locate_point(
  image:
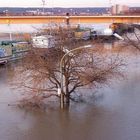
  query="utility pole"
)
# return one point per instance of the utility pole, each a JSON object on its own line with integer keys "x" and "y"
{"x": 110, "y": 5}
{"x": 43, "y": 3}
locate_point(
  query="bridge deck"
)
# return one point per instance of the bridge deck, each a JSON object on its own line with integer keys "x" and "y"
{"x": 73, "y": 19}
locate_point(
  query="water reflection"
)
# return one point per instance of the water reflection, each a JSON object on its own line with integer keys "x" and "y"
{"x": 115, "y": 117}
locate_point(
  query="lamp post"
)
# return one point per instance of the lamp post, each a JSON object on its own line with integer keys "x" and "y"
{"x": 43, "y": 2}
{"x": 61, "y": 72}
{"x": 9, "y": 26}
{"x": 67, "y": 18}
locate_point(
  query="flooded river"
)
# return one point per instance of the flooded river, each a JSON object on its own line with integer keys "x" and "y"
{"x": 32, "y": 28}
{"x": 114, "y": 116}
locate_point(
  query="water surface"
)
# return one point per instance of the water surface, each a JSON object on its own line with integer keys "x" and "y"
{"x": 114, "y": 116}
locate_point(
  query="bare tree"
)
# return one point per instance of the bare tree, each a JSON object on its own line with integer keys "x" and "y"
{"x": 88, "y": 68}
{"x": 133, "y": 39}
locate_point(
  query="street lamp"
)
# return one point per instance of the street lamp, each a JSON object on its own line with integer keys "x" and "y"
{"x": 61, "y": 91}
{"x": 9, "y": 26}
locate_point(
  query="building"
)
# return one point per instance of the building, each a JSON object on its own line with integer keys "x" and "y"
{"x": 119, "y": 9}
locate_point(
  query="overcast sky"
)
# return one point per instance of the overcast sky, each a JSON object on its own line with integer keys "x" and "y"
{"x": 66, "y": 3}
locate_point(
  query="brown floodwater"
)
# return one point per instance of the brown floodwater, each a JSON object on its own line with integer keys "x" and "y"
{"x": 115, "y": 115}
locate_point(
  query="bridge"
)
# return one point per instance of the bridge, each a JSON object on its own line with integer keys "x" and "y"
{"x": 72, "y": 19}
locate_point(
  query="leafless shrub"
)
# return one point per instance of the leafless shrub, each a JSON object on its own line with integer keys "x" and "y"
{"x": 133, "y": 39}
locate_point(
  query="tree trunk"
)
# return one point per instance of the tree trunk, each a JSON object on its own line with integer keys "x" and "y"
{"x": 67, "y": 95}
{"x": 62, "y": 101}
{"x": 67, "y": 99}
